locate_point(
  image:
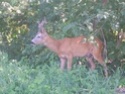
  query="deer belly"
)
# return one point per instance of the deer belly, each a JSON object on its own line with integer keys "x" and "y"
{"x": 80, "y": 53}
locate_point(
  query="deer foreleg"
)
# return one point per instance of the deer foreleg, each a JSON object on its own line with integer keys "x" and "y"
{"x": 63, "y": 61}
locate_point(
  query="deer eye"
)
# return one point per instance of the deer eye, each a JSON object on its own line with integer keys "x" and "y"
{"x": 38, "y": 36}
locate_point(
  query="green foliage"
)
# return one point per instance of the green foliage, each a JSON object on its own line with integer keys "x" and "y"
{"x": 20, "y": 78}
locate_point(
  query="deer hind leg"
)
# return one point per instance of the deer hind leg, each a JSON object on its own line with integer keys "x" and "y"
{"x": 89, "y": 59}
{"x": 69, "y": 62}
{"x": 98, "y": 56}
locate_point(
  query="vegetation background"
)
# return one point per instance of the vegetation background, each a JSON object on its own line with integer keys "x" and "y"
{"x": 28, "y": 69}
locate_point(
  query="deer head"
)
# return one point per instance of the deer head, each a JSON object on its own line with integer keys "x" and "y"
{"x": 41, "y": 34}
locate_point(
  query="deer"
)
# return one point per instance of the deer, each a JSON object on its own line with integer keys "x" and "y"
{"x": 68, "y": 48}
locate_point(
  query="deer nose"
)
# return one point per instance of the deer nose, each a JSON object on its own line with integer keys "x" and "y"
{"x": 32, "y": 42}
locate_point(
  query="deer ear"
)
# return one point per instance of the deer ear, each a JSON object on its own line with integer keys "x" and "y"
{"x": 38, "y": 23}
{"x": 43, "y": 30}
{"x": 45, "y": 21}
{"x": 42, "y": 23}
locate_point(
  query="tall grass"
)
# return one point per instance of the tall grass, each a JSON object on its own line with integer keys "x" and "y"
{"x": 19, "y": 78}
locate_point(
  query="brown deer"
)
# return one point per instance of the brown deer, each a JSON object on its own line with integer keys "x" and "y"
{"x": 68, "y": 48}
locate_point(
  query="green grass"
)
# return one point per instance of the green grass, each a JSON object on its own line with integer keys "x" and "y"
{"x": 19, "y": 78}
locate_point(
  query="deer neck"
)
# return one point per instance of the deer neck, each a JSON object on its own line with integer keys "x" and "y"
{"x": 52, "y": 43}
